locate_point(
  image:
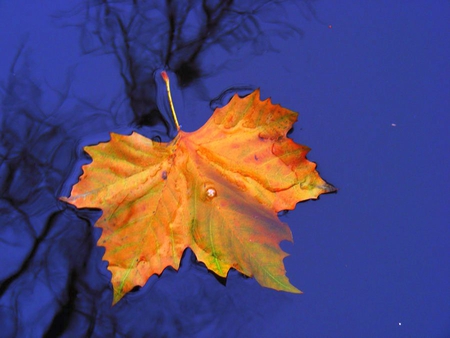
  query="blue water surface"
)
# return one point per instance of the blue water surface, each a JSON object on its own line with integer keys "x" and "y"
{"x": 371, "y": 81}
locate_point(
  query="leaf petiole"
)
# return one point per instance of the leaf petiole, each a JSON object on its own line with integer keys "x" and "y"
{"x": 166, "y": 80}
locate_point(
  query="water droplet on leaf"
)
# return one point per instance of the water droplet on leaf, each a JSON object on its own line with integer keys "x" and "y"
{"x": 211, "y": 193}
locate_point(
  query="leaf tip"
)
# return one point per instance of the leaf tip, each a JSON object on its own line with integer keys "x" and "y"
{"x": 65, "y": 199}
{"x": 116, "y": 299}
{"x": 328, "y": 188}
{"x": 288, "y": 287}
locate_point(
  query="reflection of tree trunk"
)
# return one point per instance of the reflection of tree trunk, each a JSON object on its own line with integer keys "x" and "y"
{"x": 178, "y": 35}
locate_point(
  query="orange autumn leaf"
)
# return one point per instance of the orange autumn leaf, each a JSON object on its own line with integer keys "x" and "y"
{"x": 216, "y": 190}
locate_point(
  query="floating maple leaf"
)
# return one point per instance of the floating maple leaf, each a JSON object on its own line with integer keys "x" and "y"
{"x": 216, "y": 190}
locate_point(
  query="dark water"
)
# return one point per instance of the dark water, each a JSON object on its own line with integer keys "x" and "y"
{"x": 371, "y": 83}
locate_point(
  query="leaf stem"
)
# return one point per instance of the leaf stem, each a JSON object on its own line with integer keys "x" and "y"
{"x": 169, "y": 94}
